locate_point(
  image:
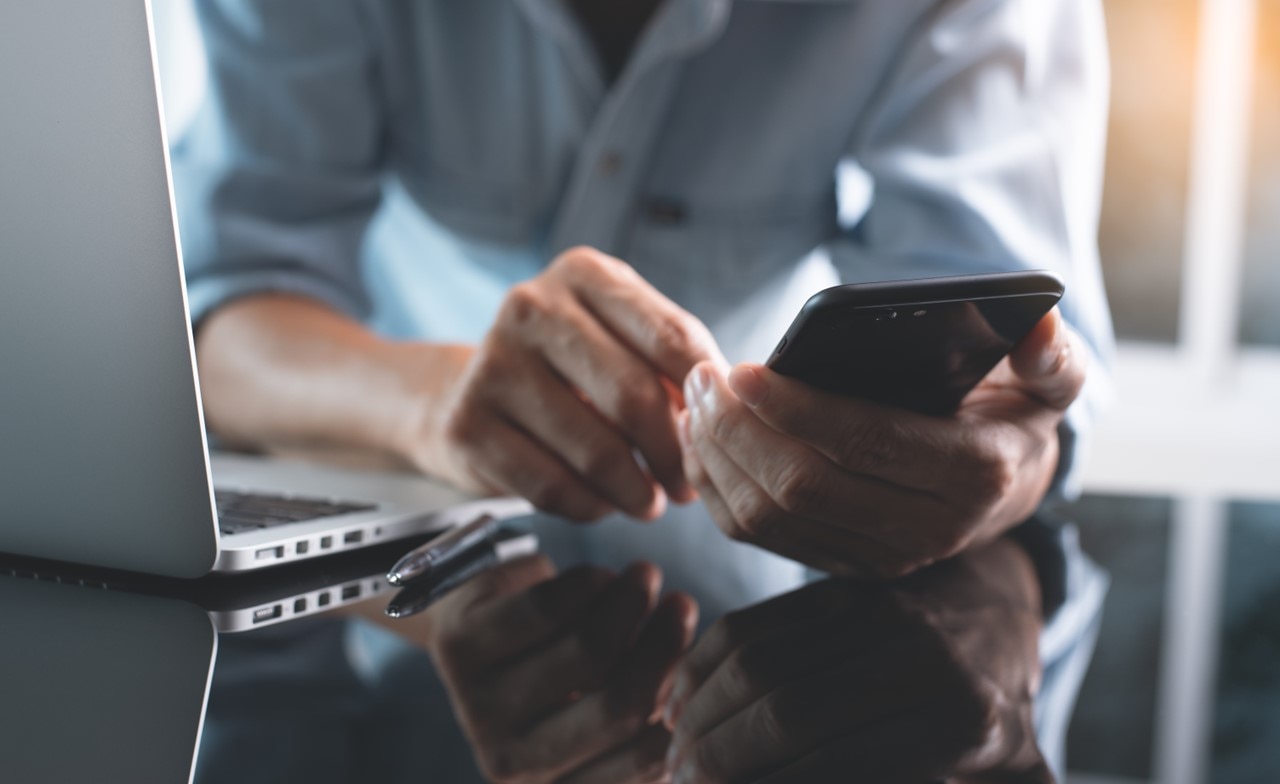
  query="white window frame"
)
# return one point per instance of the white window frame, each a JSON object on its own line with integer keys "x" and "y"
{"x": 1197, "y": 421}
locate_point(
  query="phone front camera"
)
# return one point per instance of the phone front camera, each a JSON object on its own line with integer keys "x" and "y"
{"x": 886, "y": 315}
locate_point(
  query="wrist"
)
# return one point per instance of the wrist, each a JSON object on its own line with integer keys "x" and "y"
{"x": 428, "y": 376}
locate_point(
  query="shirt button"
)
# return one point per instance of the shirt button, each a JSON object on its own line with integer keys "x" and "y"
{"x": 610, "y": 163}
{"x": 665, "y": 212}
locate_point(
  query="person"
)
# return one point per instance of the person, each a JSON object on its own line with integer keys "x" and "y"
{"x": 514, "y": 245}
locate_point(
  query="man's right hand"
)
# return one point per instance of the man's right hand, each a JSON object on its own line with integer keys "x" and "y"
{"x": 571, "y": 400}
{"x": 559, "y": 678}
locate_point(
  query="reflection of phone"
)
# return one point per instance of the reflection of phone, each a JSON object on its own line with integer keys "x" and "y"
{"x": 921, "y": 344}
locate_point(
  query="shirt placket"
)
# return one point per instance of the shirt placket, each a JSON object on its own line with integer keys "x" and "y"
{"x": 608, "y": 172}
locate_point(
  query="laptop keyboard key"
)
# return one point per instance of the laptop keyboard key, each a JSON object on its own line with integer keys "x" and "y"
{"x": 239, "y": 512}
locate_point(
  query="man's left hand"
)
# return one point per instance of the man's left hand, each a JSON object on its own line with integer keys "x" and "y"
{"x": 860, "y": 489}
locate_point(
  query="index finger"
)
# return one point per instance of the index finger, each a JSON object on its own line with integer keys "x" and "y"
{"x": 905, "y": 448}
{"x": 665, "y": 334}
{"x": 489, "y": 625}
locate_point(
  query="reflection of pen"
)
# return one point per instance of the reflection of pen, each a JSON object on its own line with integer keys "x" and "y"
{"x": 460, "y": 567}
{"x": 438, "y": 552}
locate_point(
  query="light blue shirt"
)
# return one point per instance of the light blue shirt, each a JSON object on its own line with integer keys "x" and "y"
{"x": 407, "y": 162}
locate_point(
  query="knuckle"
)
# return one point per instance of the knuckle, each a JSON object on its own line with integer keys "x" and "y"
{"x": 874, "y": 442}
{"x": 799, "y": 488}
{"x": 599, "y": 461}
{"x": 722, "y": 421}
{"x": 755, "y": 513}
{"x": 992, "y": 469}
{"x": 638, "y": 399}
{"x": 774, "y": 720}
{"x": 993, "y": 481}
{"x": 523, "y": 306}
{"x": 550, "y": 495}
{"x": 679, "y": 336}
{"x": 580, "y": 259}
{"x": 746, "y": 670}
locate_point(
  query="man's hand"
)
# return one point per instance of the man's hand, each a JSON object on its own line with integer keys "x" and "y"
{"x": 560, "y": 678}
{"x": 861, "y": 489}
{"x": 927, "y": 678}
{"x": 580, "y": 373}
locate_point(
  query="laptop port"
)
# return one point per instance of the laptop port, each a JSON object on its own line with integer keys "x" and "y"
{"x": 267, "y": 613}
{"x": 326, "y": 542}
{"x": 353, "y": 537}
{"x": 269, "y": 552}
{"x": 322, "y": 600}
{"x": 301, "y": 548}
{"x": 300, "y": 605}
{"x": 350, "y": 592}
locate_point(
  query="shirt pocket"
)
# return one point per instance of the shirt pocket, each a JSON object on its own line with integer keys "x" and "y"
{"x": 709, "y": 256}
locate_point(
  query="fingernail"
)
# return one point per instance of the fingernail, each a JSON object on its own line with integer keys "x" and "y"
{"x": 701, "y": 378}
{"x": 693, "y": 386}
{"x": 1055, "y": 358}
{"x": 748, "y": 385}
{"x": 1051, "y": 358}
{"x": 682, "y": 431}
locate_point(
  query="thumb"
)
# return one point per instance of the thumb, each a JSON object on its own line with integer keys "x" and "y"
{"x": 1050, "y": 362}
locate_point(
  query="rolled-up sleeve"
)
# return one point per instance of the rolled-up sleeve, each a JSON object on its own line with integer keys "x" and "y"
{"x": 984, "y": 152}
{"x": 278, "y": 176}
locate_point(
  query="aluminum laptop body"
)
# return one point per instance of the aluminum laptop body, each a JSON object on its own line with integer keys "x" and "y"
{"x": 103, "y": 458}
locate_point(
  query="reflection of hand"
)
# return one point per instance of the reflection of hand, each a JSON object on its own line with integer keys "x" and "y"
{"x": 862, "y": 489}
{"x": 580, "y": 371}
{"x": 558, "y": 678}
{"x": 927, "y": 678}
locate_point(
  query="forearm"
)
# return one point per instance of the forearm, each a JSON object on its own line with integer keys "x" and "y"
{"x": 284, "y": 373}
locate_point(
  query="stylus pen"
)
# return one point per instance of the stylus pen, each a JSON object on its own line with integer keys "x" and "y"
{"x": 438, "y": 552}
{"x": 489, "y": 552}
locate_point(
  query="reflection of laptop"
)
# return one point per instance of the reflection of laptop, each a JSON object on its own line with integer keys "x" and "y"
{"x": 241, "y": 602}
{"x": 100, "y": 685}
{"x": 102, "y": 448}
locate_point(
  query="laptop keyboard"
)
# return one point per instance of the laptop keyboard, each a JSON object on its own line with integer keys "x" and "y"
{"x": 240, "y": 512}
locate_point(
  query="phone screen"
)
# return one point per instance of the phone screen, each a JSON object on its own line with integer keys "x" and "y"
{"x": 922, "y": 356}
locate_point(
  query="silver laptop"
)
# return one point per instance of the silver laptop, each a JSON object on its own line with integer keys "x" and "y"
{"x": 103, "y": 458}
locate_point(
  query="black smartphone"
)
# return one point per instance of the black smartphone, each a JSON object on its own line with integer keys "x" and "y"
{"x": 921, "y": 344}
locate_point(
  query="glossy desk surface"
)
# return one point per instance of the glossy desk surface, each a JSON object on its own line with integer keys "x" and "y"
{"x": 105, "y": 676}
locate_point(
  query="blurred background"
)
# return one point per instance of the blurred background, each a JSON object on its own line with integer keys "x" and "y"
{"x": 1183, "y": 488}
